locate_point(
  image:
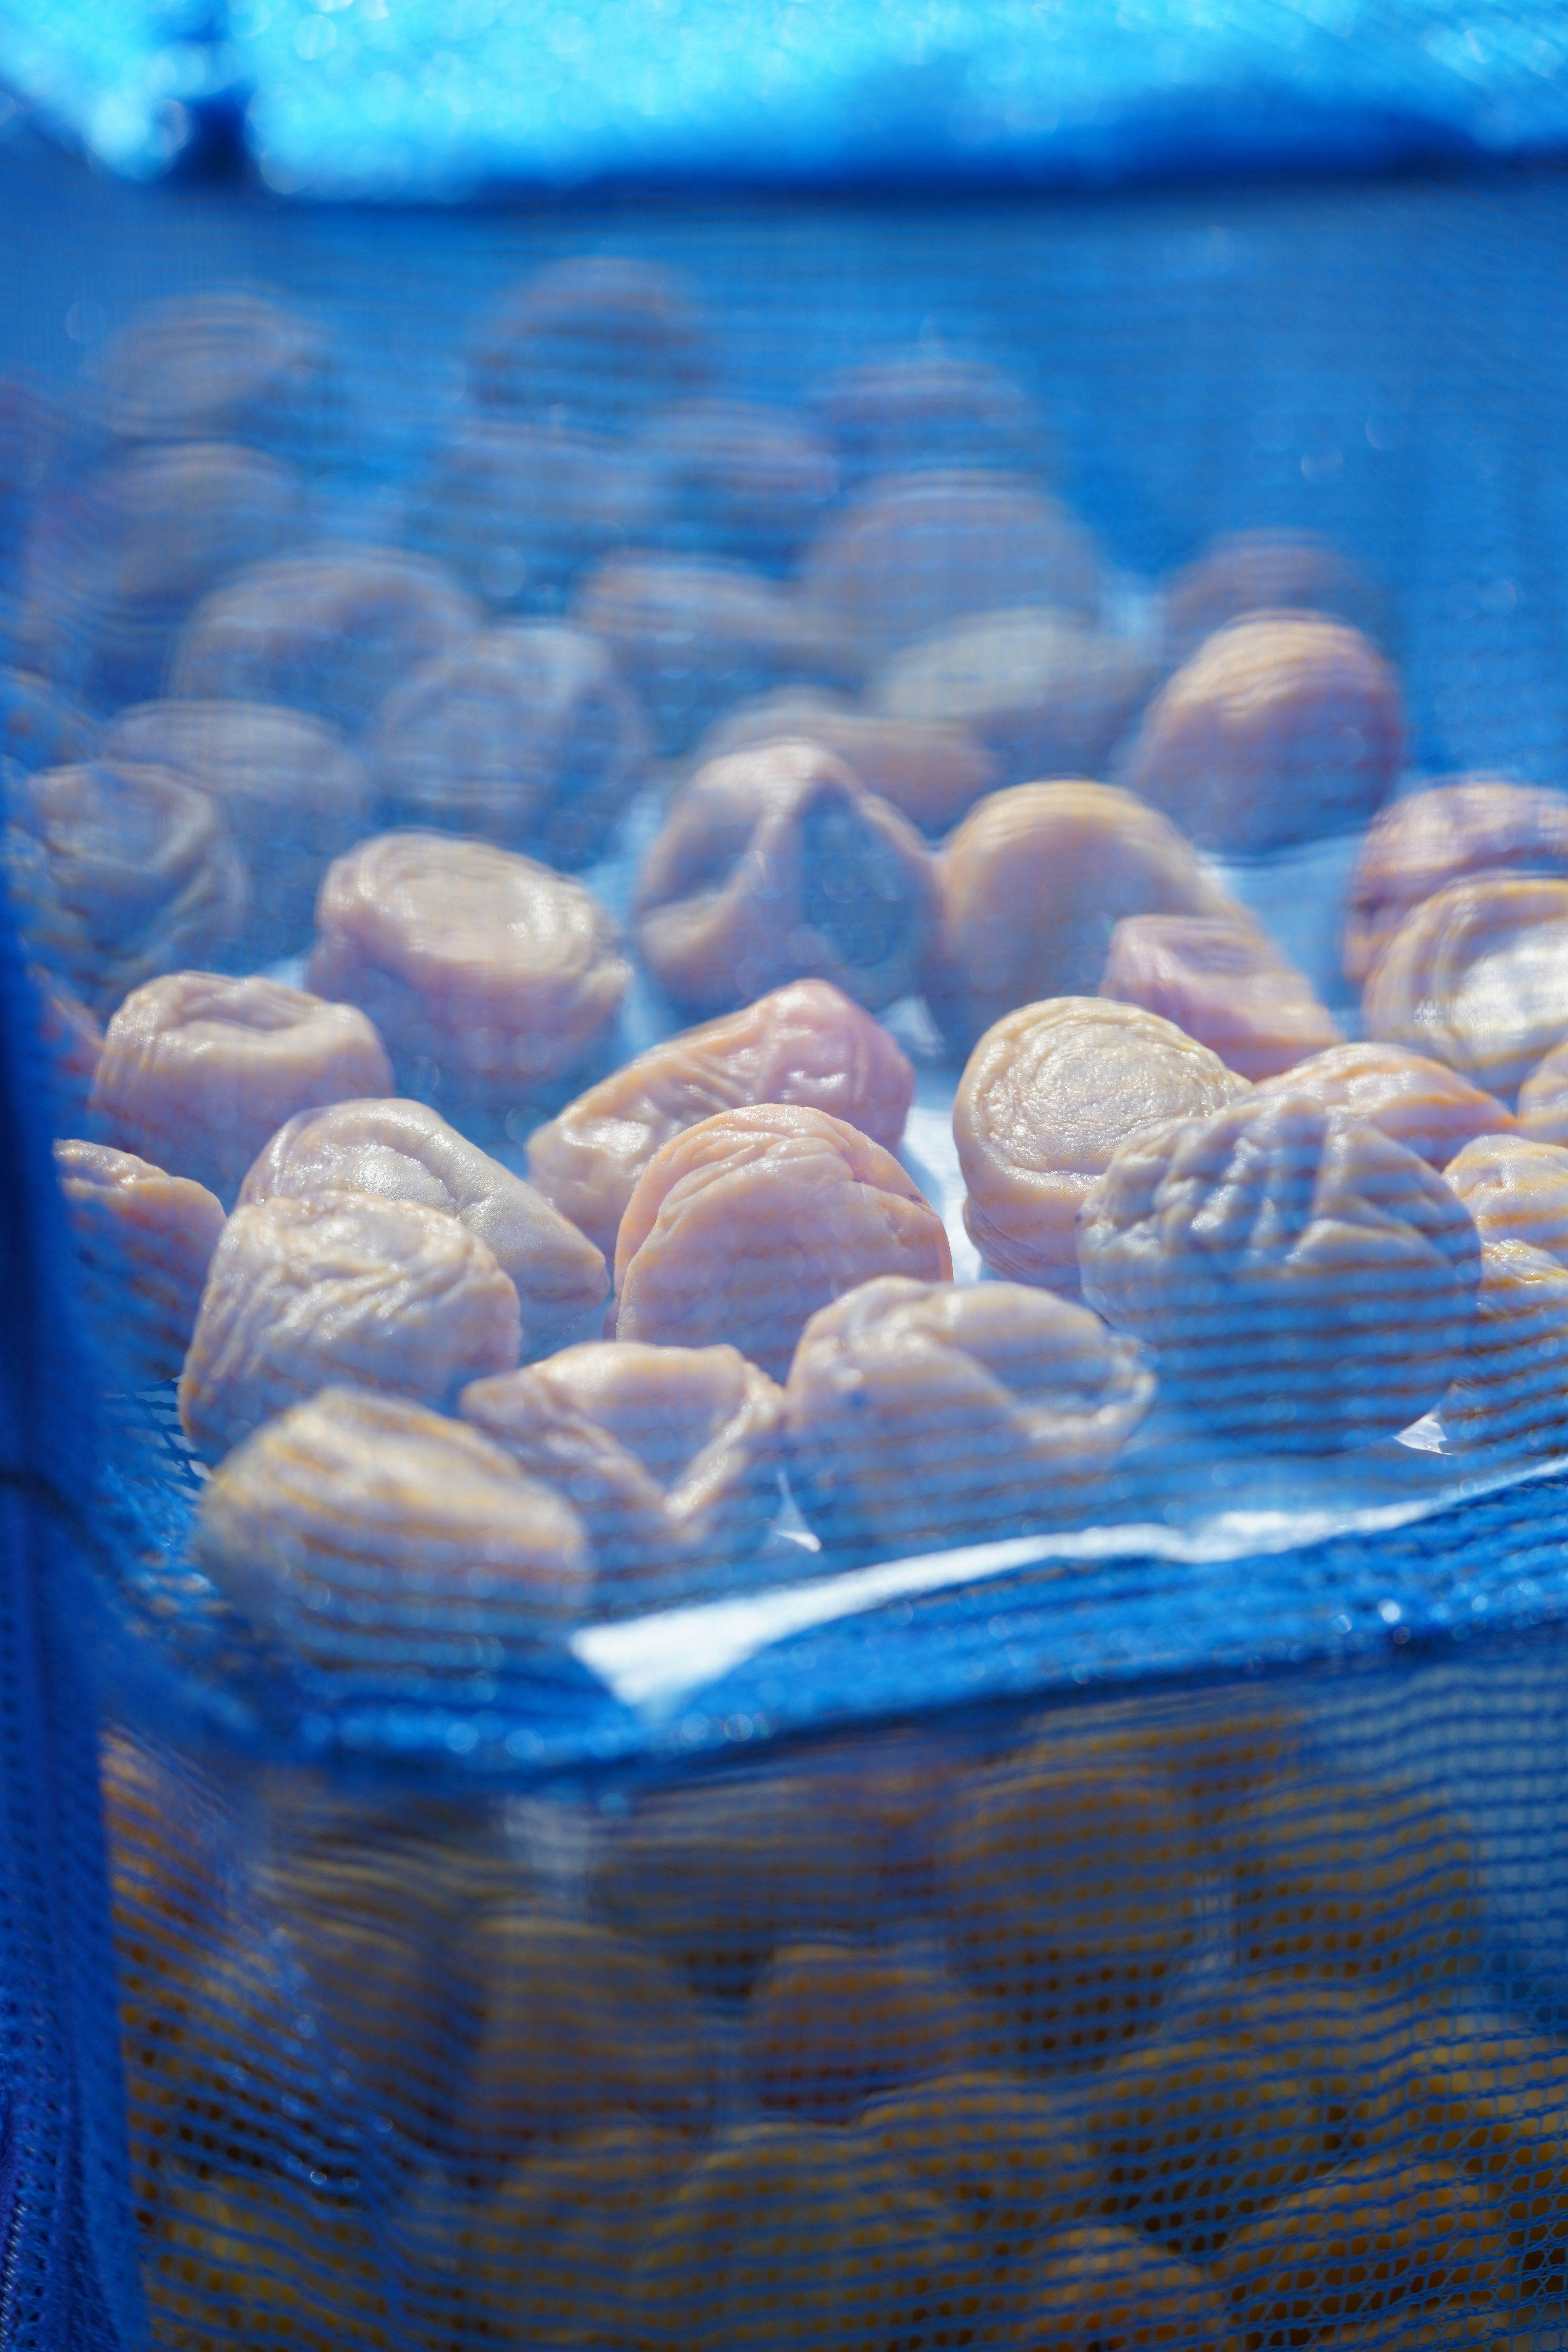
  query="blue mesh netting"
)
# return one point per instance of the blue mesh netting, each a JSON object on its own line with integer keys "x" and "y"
{"x": 1149, "y": 1930}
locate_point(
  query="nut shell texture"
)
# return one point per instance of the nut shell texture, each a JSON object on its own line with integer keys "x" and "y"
{"x": 931, "y": 773}
{"x": 804, "y": 1043}
{"x": 1031, "y": 887}
{"x": 373, "y": 1536}
{"x": 777, "y": 864}
{"x": 345, "y": 1287}
{"x": 487, "y": 974}
{"x": 1221, "y": 981}
{"x": 1045, "y": 1099}
{"x": 1478, "y": 977}
{"x": 1431, "y": 839}
{"x": 197, "y": 1071}
{"x": 922, "y": 1413}
{"x": 741, "y": 1227}
{"x": 1515, "y": 1190}
{"x": 143, "y": 1241}
{"x": 1281, "y": 729}
{"x": 1509, "y": 1387}
{"x": 1422, "y": 1104}
{"x": 406, "y": 1151}
{"x": 1307, "y": 1283}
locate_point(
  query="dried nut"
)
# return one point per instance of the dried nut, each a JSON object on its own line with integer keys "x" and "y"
{"x": 1250, "y": 572}
{"x": 1421, "y": 1104}
{"x": 236, "y": 2261}
{"x": 1004, "y": 2154}
{"x": 1101, "y": 2290}
{"x": 120, "y": 871}
{"x": 922, "y": 409}
{"x": 198, "y": 1071}
{"x": 1366, "y": 1883}
{"x": 915, "y": 554}
{"x": 1349, "y": 2046}
{"x": 741, "y": 1227}
{"x": 694, "y": 637}
{"x": 1478, "y": 977}
{"x": 489, "y": 976}
{"x": 117, "y": 559}
{"x": 1194, "y": 2137}
{"x": 406, "y": 1151}
{"x": 39, "y": 726}
{"x": 671, "y": 1456}
{"x": 293, "y": 795}
{"x": 343, "y": 1288}
{"x": 774, "y": 863}
{"x": 1071, "y": 1899}
{"x": 229, "y": 367}
{"x": 1045, "y": 1099}
{"x": 932, "y": 773}
{"x": 72, "y": 1039}
{"x": 788, "y": 2234}
{"x": 1489, "y": 2097}
{"x": 831, "y": 2025}
{"x": 520, "y": 509}
{"x": 571, "y": 2023}
{"x": 1543, "y": 1099}
{"x": 142, "y": 1241}
{"x": 1307, "y": 1283}
{"x": 331, "y": 633}
{"x": 922, "y": 1414}
{"x": 1222, "y": 981}
{"x": 1281, "y": 729}
{"x": 1510, "y": 1386}
{"x": 1031, "y": 889}
{"x": 804, "y": 1043}
{"x": 598, "y": 336}
{"x": 367, "y": 1534}
{"x": 522, "y": 735}
{"x": 742, "y": 482}
{"x": 1377, "y": 2240}
{"x": 1047, "y": 694}
{"x": 1436, "y": 837}
{"x": 1516, "y": 1190}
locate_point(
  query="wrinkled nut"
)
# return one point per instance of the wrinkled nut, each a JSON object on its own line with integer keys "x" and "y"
{"x": 1364, "y": 1884}
{"x": 718, "y": 1876}
{"x": 319, "y": 2286}
{"x": 1071, "y": 1899}
{"x": 1436, "y": 837}
{"x": 1003, "y": 2155}
{"x": 1279, "y": 731}
{"x": 932, "y": 773}
{"x": 743, "y": 482}
{"x": 804, "y": 1043}
{"x": 1422, "y": 1104}
{"x": 918, "y": 409}
{"x": 1347, "y": 2047}
{"x": 197, "y": 1071}
{"x": 670, "y": 1456}
{"x": 693, "y": 637}
{"x": 1510, "y": 1386}
{"x": 370, "y": 1536}
{"x": 1031, "y": 890}
{"x": 922, "y": 1414}
{"x": 1046, "y": 695}
{"x": 73, "y": 1038}
{"x": 1376, "y": 2240}
{"x": 332, "y": 634}
{"x": 1478, "y": 977}
{"x": 1543, "y": 1099}
{"x": 520, "y": 509}
{"x": 569, "y": 2022}
{"x": 744, "y": 1225}
{"x": 1103, "y": 2290}
{"x": 119, "y": 871}
{"x": 916, "y": 553}
{"x": 293, "y": 796}
{"x": 784, "y": 2233}
{"x": 1222, "y": 981}
{"x": 1193, "y": 2137}
{"x": 1045, "y": 1099}
{"x": 1250, "y": 572}
{"x": 229, "y": 367}
{"x": 1307, "y": 1283}
{"x": 1488, "y": 2098}
{"x": 523, "y": 736}
{"x": 142, "y": 1241}
{"x": 406, "y": 1151}
{"x": 774, "y": 863}
{"x": 489, "y": 976}
{"x": 117, "y": 559}
{"x": 599, "y": 336}
{"x": 345, "y": 1287}
{"x": 831, "y": 2025}
{"x": 1516, "y": 1190}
